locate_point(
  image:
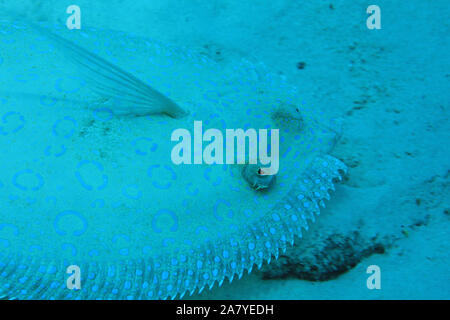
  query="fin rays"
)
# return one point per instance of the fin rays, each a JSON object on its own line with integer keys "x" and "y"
{"x": 110, "y": 80}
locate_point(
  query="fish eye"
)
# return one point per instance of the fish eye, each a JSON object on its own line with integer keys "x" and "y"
{"x": 257, "y": 177}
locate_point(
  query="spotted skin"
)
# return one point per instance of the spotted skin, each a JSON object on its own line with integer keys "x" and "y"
{"x": 88, "y": 182}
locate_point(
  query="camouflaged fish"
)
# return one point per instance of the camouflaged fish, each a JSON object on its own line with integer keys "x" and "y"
{"x": 87, "y": 178}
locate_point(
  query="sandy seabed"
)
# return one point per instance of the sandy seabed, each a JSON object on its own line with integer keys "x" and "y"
{"x": 390, "y": 87}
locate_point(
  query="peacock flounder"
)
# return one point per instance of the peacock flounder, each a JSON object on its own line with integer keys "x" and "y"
{"x": 87, "y": 179}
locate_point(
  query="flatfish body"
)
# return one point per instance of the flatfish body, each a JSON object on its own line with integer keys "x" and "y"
{"x": 88, "y": 180}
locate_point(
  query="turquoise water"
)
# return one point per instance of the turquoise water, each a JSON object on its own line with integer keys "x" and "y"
{"x": 90, "y": 120}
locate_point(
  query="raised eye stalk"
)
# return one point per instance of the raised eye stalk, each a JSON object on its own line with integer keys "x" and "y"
{"x": 258, "y": 178}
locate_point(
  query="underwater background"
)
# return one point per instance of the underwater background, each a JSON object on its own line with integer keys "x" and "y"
{"x": 389, "y": 88}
